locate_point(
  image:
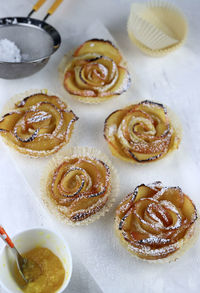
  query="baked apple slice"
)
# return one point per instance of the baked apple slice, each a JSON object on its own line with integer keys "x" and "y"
{"x": 101, "y": 47}
{"x": 38, "y": 98}
{"x": 76, "y": 84}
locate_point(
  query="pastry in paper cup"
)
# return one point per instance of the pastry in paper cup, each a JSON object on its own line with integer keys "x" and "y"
{"x": 157, "y": 28}
{"x": 157, "y": 223}
{"x": 94, "y": 72}
{"x": 37, "y": 123}
{"x": 79, "y": 185}
{"x": 142, "y": 133}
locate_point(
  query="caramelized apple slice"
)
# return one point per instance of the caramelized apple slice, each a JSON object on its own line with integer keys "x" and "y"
{"x": 81, "y": 60}
{"x": 150, "y": 156}
{"x": 111, "y": 125}
{"x": 38, "y": 98}
{"x": 189, "y": 209}
{"x": 83, "y": 207}
{"x": 121, "y": 85}
{"x": 100, "y": 74}
{"x": 45, "y": 144}
{"x": 25, "y": 136}
{"x": 10, "y": 137}
{"x": 71, "y": 86}
{"x": 145, "y": 191}
{"x": 73, "y": 83}
{"x": 159, "y": 114}
{"x": 99, "y": 46}
{"x": 174, "y": 195}
{"x": 9, "y": 120}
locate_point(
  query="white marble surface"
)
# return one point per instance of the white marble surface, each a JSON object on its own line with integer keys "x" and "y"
{"x": 173, "y": 80}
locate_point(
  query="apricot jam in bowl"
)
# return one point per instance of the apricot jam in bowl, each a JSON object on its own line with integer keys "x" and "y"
{"x": 46, "y": 248}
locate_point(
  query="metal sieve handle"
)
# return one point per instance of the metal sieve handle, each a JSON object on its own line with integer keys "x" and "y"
{"x": 36, "y": 6}
{"x": 53, "y": 8}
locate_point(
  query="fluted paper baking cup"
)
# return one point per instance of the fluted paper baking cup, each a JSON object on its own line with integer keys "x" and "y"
{"x": 157, "y": 27}
{"x": 77, "y": 152}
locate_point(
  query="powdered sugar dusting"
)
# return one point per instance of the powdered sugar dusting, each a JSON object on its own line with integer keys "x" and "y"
{"x": 9, "y": 52}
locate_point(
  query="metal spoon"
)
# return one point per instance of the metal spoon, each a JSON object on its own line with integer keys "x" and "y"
{"x": 28, "y": 269}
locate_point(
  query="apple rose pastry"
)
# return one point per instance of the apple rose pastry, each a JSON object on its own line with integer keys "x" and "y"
{"x": 95, "y": 72}
{"x": 38, "y": 125}
{"x": 80, "y": 186}
{"x": 141, "y": 133}
{"x": 156, "y": 222}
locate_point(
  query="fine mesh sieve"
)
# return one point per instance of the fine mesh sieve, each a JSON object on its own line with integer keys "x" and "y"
{"x": 36, "y": 40}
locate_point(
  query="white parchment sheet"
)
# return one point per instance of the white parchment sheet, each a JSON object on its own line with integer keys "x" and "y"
{"x": 114, "y": 269}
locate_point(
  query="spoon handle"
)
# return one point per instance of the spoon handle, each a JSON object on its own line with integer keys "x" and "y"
{"x": 4, "y": 236}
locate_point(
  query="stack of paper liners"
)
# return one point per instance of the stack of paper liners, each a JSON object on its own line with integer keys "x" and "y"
{"x": 157, "y": 28}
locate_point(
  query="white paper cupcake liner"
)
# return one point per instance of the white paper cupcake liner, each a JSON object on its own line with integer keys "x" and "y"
{"x": 157, "y": 27}
{"x": 53, "y": 207}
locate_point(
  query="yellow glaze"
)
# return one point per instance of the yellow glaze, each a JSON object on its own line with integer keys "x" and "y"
{"x": 52, "y": 272}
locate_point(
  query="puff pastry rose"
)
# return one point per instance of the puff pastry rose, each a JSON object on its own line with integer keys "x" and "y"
{"x": 141, "y": 132}
{"x": 38, "y": 125}
{"x": 95, "y": 73}
{"x": 156, "y": 222}
{"x": 79, "y": 187}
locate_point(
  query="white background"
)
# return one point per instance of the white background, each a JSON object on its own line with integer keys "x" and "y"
{"x": 172, "y": 80}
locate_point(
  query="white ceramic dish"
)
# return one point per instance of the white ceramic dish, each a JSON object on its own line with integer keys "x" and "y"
{"x": 27, "y": 240}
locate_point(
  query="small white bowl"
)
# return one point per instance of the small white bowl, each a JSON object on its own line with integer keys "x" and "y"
{"x": 26, "y": 241}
